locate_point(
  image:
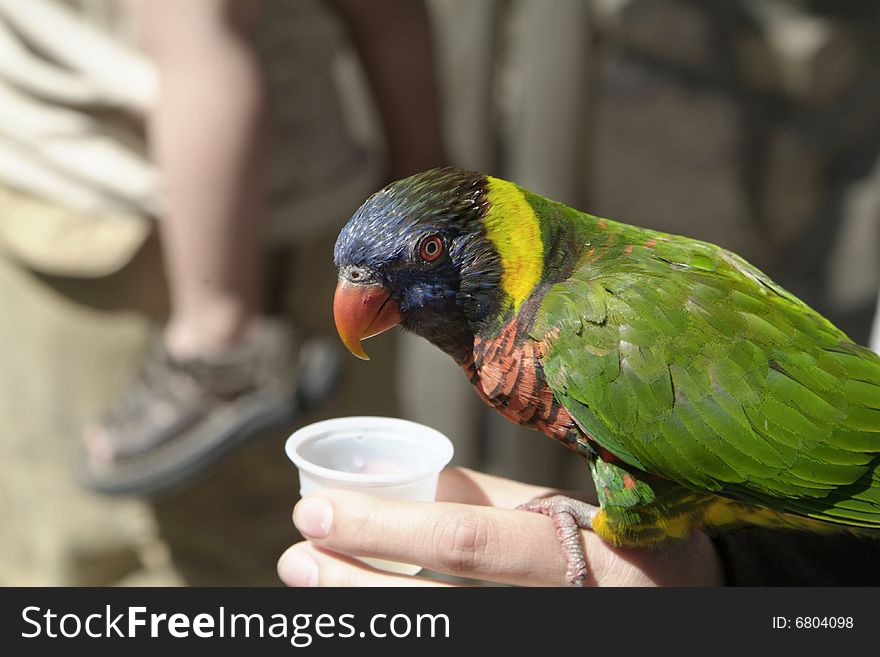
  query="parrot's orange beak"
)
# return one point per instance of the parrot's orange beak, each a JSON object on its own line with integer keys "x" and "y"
{"x": 362, "y": 311}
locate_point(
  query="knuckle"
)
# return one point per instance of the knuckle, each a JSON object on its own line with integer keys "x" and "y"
{"x": 463, "y": 541}
{"x": 362, "y": 534}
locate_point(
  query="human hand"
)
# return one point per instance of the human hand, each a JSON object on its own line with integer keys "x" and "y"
{"x": 472, "y": 531}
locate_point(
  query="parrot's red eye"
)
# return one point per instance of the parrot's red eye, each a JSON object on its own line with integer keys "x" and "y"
{"x": 431, "y": 248}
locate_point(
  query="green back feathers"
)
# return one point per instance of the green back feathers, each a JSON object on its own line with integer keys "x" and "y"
{"x": 687, "y": 362}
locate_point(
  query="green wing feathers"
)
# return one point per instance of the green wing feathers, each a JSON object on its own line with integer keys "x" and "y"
{"x": 687, "y": 362}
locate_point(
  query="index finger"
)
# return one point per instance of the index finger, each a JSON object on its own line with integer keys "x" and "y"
{"x": 479, "y": 542}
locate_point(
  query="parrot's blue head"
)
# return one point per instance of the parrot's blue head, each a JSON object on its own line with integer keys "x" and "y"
{"x": 416, "y": 254}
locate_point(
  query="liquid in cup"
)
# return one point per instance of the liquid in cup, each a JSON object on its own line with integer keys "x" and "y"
{"x": 381, "y": 456}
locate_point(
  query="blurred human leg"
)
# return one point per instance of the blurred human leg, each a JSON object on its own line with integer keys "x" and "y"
{"x": 207, "y": 135}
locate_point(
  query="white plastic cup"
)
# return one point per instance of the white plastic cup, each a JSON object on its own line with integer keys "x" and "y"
{"x": 382, "y": 456}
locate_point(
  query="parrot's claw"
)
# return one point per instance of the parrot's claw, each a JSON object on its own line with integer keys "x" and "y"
{"x": 569, "y": 517}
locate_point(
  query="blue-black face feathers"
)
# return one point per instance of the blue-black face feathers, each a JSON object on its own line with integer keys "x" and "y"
{"x": 422, "y": 238}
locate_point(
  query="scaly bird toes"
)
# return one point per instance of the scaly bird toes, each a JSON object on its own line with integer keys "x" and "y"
{"x": 569, "y": 516}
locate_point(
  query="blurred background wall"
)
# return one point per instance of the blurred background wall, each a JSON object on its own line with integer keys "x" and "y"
{"x": 754, "y": 124}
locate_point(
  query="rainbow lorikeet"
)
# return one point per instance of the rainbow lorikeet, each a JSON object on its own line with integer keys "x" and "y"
{"x": 702, "y": 394}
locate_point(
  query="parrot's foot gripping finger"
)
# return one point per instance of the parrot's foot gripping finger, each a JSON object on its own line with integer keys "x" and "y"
{"x": 569, "y": 517}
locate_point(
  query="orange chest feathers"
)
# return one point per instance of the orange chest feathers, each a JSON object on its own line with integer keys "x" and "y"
{"x": 507, "y": 374}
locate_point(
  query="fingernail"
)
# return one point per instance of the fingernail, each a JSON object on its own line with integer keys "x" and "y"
{"x": 296, "y": 568}
{"x": 313, "y": 516}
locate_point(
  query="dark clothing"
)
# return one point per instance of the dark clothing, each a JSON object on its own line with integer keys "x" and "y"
{"x": 764, "y": 557}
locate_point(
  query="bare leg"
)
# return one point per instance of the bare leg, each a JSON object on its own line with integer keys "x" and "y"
{"x": 207, "y": 136}
{"x": 393, "y": 38}
{"x": 569, "y": 517}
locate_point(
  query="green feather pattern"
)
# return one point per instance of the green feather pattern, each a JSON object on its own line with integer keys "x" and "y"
{"x": 687, "y": 362}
